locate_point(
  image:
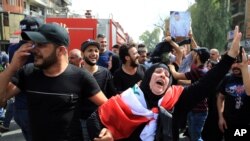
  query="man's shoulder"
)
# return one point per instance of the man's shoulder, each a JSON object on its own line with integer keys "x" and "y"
{"x": 106, "y": 53}
{"x": 75, "y": 69}
{"x": 103, "y": 73}
{"x": 231, "y": 77}
{"x": 102, "y": 69}
{"x": 14, "y": 47}
{"x": 119, "y": 72}
{"x": 29, "y": 69}
{"x": 228, "y": 78}
{"x": 79, "y": 73}
{"x": 142, "y": 68}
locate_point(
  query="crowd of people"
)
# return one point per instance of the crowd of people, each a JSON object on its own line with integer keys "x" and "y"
{"x": 127, "y": 93}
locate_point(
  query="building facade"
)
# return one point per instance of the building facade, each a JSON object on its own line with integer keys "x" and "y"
{"x": 13, "y": 11}
{"x": 240, "y": 15}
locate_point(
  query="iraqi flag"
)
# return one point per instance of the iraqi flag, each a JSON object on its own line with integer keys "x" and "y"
{"x": 123, "y": 113}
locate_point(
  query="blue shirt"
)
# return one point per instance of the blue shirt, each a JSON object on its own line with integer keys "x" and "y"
{"x": 104, "y": 59}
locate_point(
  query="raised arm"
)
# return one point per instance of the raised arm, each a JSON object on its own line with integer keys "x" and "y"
{"x": 244, "y": 72}
{"x": 234, "y": 50}
{"x": 207, "y": 85}
{"x": 193, "y": 42}
{"x": 7, "y": 89}
{"x": 177, "y": 49}
{"x": 177, "y": 75}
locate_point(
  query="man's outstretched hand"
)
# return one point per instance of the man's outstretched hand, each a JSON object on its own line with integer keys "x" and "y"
{"x": 234, "y": 49}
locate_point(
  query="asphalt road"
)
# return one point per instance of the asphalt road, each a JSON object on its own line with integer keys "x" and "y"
{"x": 15, "y": 133}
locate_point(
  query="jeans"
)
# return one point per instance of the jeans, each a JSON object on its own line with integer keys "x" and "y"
{"x": 22, "y": 119}
{"x": 84, "y": 130}
{"x": 9, "y": 113}
{"x": 196, "y": 121}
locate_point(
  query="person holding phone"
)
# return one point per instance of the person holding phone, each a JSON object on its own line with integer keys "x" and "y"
{"x": 54, "y": 87}
{"x": 233, "y": 101}
{"x": 18, "y": 107}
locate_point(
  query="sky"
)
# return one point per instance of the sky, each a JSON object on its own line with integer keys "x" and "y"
{"x": 135, "y": 16}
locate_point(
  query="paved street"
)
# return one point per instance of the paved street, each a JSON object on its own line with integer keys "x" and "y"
{"x": 15, "y": 134}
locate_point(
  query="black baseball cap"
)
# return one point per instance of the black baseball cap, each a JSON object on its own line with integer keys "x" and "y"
{"x": 30, "y": 23}
{"x": 203, "y": 53}
{"x": 48, "y": 33}
{"x": 88, "y": 43}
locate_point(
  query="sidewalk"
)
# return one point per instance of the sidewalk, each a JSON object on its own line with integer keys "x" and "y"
{"x": 15, "y": 133}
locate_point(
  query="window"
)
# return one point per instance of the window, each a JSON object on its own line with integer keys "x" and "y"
{"x": 33, "y": 8}
{"x": 5, "y": 19}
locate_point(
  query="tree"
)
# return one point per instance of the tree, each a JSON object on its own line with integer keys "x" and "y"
{"x": 210, "y": 23}
{"x": 163, "y": 25}
{"x": 150, "y": 39}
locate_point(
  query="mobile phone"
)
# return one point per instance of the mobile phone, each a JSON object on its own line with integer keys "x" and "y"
{"x": 239, "y": 57}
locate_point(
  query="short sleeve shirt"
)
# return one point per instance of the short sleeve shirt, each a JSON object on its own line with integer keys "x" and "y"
{"x": 237, "y": 102}
{"x": 53, "y": 102}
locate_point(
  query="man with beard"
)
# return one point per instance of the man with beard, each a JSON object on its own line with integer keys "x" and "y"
{"x": 233, "y": 102}
{"x": 90, "y": 54}
{"x": 19, "y": 106}
{"x": 107, "y": 58}
{"x": 54, "y": 87}
{"x": 131, "y": 72}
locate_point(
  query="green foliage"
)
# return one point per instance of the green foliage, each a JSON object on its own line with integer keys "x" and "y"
{"x": 210, "y": 23}
{"x": 150, "y": 39}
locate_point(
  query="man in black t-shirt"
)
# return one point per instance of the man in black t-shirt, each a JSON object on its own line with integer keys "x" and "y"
{"x": 233, "y": 103}
{"x": 131, "y": 72}
{"x": 54, "y": 88}
{"x": 90, "y": 54}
